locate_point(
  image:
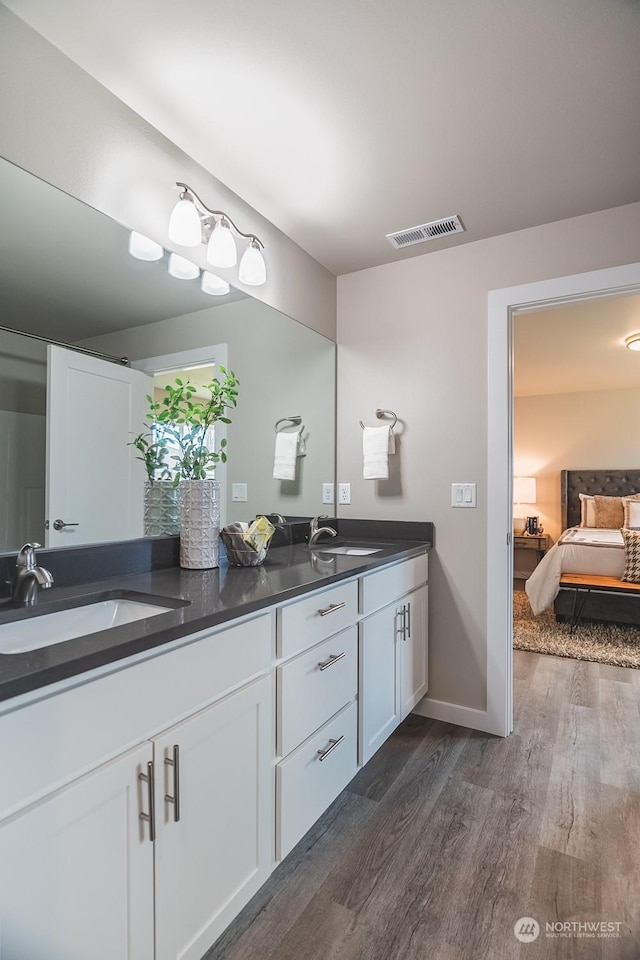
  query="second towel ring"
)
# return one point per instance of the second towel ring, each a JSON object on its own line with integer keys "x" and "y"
{"x": 292, "y": 421}
{"x": 381, "y": 414}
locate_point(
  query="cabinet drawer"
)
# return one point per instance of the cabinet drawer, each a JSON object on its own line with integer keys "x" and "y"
{"x": 307, "y": 784}
{"x": 314, "y": 686}
{"x": 307, "y": 621}
{"x": 385, "y": 586}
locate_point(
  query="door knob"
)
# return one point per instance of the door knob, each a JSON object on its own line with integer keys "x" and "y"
{"x": 60, "y": 524}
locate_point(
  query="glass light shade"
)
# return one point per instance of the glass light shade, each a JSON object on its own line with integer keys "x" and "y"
{"x": 215, "y": 286}
{"x": 181, "y": 268}
{"x": 633, "y": 343}
{"x": 524, "y": 489}
{"x": 184, "y": 224}
{"x": 252, "y": 270}
{"x": 142, "y": 248}
{"x": 221, "y": 249}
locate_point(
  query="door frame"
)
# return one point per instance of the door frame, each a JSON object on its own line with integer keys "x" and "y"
{"x": 503, "y": 305}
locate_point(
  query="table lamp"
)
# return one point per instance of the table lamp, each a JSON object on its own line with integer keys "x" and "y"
{"x": 524, "y": 491}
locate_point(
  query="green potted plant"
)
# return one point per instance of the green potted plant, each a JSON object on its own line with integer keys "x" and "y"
{"x": 187, "y": 423}
{"x": 161, "y": 496}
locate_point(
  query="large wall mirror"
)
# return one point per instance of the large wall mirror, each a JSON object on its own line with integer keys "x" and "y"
{"x": 66, "y": 275}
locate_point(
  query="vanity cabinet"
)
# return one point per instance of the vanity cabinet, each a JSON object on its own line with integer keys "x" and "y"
{"x": 393, "y": 650}
{"x": 161, "y": 791}
{"x": 76, "y": 870}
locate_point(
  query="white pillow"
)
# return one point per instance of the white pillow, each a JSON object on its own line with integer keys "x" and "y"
{"x": 587, "y": 510}
{"x": 631, "y": 513}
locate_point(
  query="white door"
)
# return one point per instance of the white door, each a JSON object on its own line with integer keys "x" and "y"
{"x": 211, "y": 860}
{"x": 94, "y": 482}
{"x": 379, "y": 708}
{"x": 76, "y": 870}
{"x": 412, "y": 647}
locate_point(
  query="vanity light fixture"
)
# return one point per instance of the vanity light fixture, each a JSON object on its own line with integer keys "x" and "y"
{"x": 213, "y": 285}
{"x": 216, "y": 229}
{"x": 142, "y": 248}
{"x": 181, "y": 268}
{"x": 633, "y": 342}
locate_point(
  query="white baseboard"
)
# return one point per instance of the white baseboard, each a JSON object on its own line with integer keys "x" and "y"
{"x": 454, "y": 713}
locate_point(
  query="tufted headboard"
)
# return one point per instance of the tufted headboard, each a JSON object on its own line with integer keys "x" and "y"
{"x": 605, "y": 483}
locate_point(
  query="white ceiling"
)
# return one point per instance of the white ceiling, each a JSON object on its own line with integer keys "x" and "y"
{"x": 577, "y": 347}
{"x": 344, "y": 120}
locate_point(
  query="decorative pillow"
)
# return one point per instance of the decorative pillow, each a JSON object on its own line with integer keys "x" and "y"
{"x": 631, "y": 556}
{"x": 587, "y": 510}
{"x": 631, "y": 509}
{"x": 609, "y": 512}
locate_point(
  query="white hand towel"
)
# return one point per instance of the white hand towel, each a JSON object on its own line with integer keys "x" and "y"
{"x": 375, "y": 451}
{"x": 284, "y": 464}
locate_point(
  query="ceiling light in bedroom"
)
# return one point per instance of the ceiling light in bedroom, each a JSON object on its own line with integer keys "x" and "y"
{"x": 633, "y": 342}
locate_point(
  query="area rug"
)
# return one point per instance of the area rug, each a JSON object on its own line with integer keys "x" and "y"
{"x": 618, "y": 645}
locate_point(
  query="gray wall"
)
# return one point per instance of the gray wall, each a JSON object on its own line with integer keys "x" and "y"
{"x": 412, "y": 336}
{"x": 23, "y": 374}
{"x": 63, "y": 126}
{"x": 284, "y": 369}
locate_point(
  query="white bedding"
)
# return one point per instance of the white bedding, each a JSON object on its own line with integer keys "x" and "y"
{"x": 579, "y": 550}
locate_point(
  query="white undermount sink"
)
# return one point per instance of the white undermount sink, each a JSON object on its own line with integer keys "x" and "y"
{"x": 348, "y": 551}
{"x": 35, "y": 632}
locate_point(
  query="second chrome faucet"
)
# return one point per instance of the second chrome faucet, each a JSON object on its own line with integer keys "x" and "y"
{"x": 315, "y": 531}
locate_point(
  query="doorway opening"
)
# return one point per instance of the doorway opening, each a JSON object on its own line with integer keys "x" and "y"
{"x": 503, "y": 306}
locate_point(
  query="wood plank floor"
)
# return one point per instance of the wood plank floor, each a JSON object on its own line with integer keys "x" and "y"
{"x": 448, "y": 837}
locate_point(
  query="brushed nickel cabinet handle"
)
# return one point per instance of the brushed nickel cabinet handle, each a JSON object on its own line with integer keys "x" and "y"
{"x": 402, "y": 627}
{"x": 150, "y": 817}
{"x": 323, "y": 754}
{"x": 332, "y": 608}
{"x": 175, "y": 799}
{"x": 409, "y": 620}
{"x": 333, "y": 658}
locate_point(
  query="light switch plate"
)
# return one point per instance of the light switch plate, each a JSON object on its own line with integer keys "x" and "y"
{"x": 327, "y": 493}
{"x": 463, "y": 495}
{"x": 239, "y": 492}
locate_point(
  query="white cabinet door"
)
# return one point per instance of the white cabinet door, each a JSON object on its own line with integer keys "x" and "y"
{"x": 379, "y": 686}
{"x": 76, "y": 870}
{"x": 212, "y": 860}
{"x": 413, "y": 651}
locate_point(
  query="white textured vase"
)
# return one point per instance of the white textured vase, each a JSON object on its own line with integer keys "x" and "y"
{"x": 199, "y": 524}
{"x": 161, "y": 509}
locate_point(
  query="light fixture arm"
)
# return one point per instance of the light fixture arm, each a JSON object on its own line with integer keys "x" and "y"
{"x": 205, "y": 213}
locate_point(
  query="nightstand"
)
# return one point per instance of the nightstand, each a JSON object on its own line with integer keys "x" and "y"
{"x": 539, "y": 543}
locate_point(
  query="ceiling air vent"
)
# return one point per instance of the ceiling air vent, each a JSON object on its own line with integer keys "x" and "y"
{"x": 426, "y": 231}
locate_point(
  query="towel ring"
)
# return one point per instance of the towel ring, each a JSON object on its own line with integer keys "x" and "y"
{"x": 292, "y": 421}
{"x": 380, "y": 414}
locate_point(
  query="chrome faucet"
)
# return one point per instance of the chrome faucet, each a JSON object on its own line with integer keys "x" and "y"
{"x": 315, "y": 531}
{"x": 29, "y": 576}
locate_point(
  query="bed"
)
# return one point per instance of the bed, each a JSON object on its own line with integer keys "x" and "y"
{"x": 585, "y": 550}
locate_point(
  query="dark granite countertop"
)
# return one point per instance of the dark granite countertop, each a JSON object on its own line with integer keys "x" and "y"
{"x": 209, "y": 598}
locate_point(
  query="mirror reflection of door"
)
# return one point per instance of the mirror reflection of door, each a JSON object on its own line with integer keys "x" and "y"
{"x": 94, "y": 485}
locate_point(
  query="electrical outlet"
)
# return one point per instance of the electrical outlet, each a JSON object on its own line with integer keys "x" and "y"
{"x": 327, "y": 493}
{"x": 344, "y": 493}
{"x": 239, "y": 492}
